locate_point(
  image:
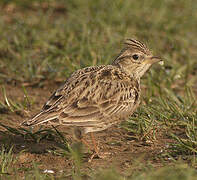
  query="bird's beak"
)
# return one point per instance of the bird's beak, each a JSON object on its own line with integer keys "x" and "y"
{"x": 153, "y": 59}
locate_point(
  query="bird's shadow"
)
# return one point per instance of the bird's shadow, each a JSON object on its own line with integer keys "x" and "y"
{"x": 40, "y": 141}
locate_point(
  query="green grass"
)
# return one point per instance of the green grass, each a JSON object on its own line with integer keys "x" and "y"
{"x": 47, "y": 40}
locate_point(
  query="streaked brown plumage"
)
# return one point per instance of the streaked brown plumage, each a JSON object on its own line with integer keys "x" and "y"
{"x": 94, "y": 98}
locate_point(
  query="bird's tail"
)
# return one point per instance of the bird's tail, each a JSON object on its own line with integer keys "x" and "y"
{"x": 40, "y": 118}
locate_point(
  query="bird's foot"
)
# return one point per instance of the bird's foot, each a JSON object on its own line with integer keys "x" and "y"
{"x": 99, "y": 155}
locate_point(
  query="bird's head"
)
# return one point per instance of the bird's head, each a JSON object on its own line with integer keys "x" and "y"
{"x": 135, "y": 59}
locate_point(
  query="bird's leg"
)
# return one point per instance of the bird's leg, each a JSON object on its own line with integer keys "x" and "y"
{"x": 78, "y": 135}
{"x": 96, "y": 150}
{"x": 88, "y": 146}
{"x": 94, "y": 143}
{"x": 85, "y": 143}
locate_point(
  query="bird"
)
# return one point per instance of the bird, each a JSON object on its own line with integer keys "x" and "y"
{"x": 94, "y": 98}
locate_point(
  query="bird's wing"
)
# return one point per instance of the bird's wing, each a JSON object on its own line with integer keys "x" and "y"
{"x": 88, "y": 97}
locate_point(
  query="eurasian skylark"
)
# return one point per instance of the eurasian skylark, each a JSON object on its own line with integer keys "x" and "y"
{"x": 94, "y": 98}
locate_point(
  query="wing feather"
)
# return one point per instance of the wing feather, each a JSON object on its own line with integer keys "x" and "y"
{"x": 87, "y": 98}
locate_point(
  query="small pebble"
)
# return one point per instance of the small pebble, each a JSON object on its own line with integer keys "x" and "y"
{"x": 49, "y": 171}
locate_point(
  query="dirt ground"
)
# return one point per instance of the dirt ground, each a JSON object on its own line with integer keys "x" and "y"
{"x": 122, "y": 149}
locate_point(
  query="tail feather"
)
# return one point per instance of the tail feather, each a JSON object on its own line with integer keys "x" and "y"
{"x": 40, "y": 118}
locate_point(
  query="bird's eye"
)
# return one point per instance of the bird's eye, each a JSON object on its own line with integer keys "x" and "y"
{"x": 135, "y": 57}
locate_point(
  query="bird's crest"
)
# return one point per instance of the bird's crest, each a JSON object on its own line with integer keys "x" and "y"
{"x": 131, "y": 44}
{"x": 135, "y": 44}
